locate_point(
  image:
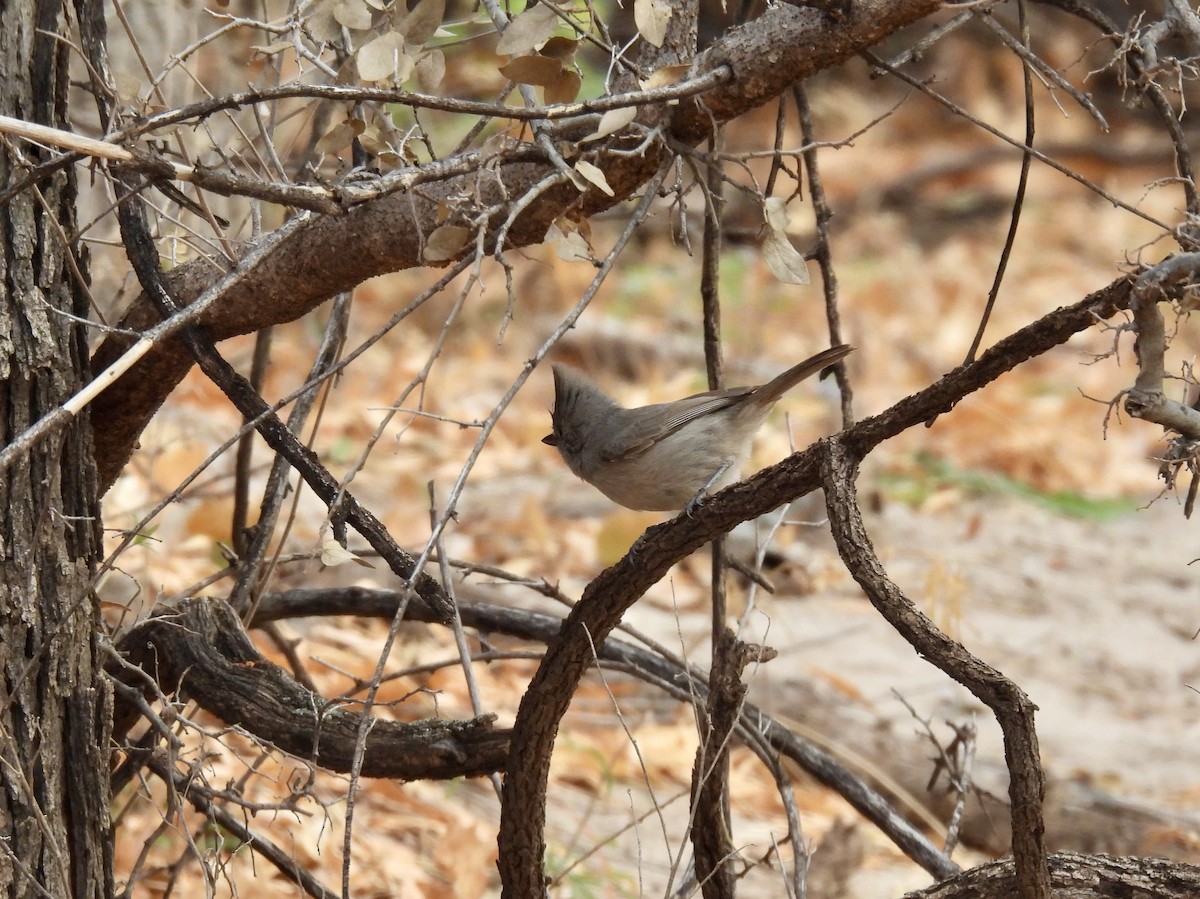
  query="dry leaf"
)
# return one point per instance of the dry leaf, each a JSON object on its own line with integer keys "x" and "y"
{"x": 334, "y": 554}
{"x": 565, "y": 89}
{"x": 612, "y": 121}
{"x": 776, "y": 215}
{"x": 651, "y": 18}
{"x": 375, "y": 140}
{"x": 594, "y": 175}
{"x": 569, "y": 244}
{"x": 320, "y": 23}
{"x": 422, "y": 23}
{"x": 431, "y": 69}
{"x": 560, "y": 47}
{"x": 532, "y": 70}
{"x": 384, "y": 59}
{"x": 528, "y": 31}
{"x": 336, "y": 138}
{"x": 785, "y": 261}
{"x": 353, "y": 14}
{"x": 666, "y": 76}
{"x": 445, "y": 242}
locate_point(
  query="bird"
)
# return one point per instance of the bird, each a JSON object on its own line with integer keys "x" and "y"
{"x": 667, "y": 456}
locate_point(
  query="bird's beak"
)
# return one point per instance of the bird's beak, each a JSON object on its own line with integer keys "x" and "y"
{"x": 550, "y": 440}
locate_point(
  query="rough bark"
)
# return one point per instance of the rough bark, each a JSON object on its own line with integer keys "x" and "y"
{"x": 198, "y": 649}
{"x": 54, "y": 705}
{"x": 1076, "y": 877}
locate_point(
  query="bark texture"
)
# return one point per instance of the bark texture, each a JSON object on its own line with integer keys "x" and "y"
{"x": 54, "y": 705}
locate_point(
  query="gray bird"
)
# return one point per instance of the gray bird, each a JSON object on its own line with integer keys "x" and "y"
{"x": 667, "y": 456}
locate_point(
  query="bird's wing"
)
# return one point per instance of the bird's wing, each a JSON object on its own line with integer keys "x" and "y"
{"x": 647, "y": 425}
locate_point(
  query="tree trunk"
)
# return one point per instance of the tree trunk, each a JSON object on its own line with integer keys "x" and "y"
{"x": 54, "y": 704}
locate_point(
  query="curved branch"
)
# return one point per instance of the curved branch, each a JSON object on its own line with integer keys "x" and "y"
{"x": 318, "y": 256}
{"x": 199, "y": 648}
{"x": 1146, "y": 399}
{"x": 1013, "y": 709}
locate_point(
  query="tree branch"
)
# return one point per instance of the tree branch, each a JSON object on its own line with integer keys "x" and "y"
{"x": 199, "y": 648}
{"x": 1013, "y": 709}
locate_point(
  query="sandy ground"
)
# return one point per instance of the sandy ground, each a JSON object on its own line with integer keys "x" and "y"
{"x": 1095, "y": 620}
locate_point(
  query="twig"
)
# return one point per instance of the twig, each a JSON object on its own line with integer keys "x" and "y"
{"x": 202, "y": 798}
{"x": 1022, "y": 183}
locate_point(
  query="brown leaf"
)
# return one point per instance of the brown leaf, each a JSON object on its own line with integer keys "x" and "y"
{"x": 593, "y": 174}
{"x": 527, "y": 31}
{"x": 353, "y": 14}
{"x": 666, "y": 76}
{"x": 320, "y": 23}
{"x": 612, "y": 121}
{"x": 559, "y": 47}
{"x": 384, "y": 59}
{"x": 431, "y": 69}
{"x": 565, "y": 89}
{"x": 651, "y": 18}
{"x": 569, "y": 245}
{"x": 445, "y": 242}
{"x": 424, "y": 20}
{"x": 532, "y": 70}
{"x": 336, "y": 138}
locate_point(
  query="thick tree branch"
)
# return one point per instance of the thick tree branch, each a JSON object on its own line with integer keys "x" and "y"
{"x": 319, "y": 256}
{"x": 199, "y": 649}
{"x": 1077, "y": 876}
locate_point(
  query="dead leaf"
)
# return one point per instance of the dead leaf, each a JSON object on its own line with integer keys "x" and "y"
{"x": 612, "y": 121}
{"x": 422, "y": 22}
{"x": 445, "y": 242}
{"x": 528, "y": 31}
{"x": 594, "y": 175}
{"x": 651, "y": 18}
{"x": 776, "y": 214}
{"x": 532, "y": 70}
{"x": 785, "y": 261}
{"x": 569, "y": 244}
{"x": 321, "y": 24}
{"x": 560, "y": 47}
{"x": 334, "y": 554}
{"x": 431, "y": 69}
{"x": 353, "y": 14}
{"x": 336, "y": 138}
{"x": 384, "y": 59}
{"x": 666, "y": 76}
{"x": 565, "y": 89}
{"x": 374, "y": 139}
